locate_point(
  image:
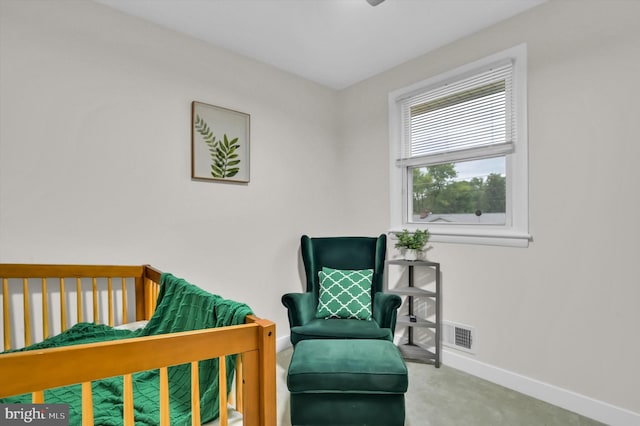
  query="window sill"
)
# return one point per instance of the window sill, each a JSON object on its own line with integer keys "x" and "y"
{"x": 490, "y": 237}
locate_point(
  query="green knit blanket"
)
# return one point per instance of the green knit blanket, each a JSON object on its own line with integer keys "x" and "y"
{"x": 180, "y": 307}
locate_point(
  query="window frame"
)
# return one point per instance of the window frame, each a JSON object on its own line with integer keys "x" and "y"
{"x": 515, "y": 232}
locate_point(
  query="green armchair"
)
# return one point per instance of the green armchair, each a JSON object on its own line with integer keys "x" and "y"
{"x": 342, "y": 253}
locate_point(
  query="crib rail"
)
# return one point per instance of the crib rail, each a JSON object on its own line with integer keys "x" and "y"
{"x": 35, "y": 371}
{"x": 66, "y": 281}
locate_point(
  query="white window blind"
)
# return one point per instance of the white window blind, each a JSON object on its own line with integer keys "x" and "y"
{"x": 470, "y": 117}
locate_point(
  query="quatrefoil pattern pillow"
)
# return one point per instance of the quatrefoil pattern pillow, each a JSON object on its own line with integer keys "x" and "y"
{"x": 345, "y": 294}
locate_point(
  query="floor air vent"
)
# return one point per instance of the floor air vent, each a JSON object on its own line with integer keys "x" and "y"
{"x": 459, "y": 336}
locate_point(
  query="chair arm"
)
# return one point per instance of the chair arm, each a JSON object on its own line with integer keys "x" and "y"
{"x": 385, "y": 309}
{"x": 301, "y": 307}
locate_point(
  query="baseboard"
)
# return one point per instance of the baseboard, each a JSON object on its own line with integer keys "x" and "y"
{"x": 583, "y": 405}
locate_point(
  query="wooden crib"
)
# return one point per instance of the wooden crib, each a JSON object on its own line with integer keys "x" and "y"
{"x": 103, "y": 295}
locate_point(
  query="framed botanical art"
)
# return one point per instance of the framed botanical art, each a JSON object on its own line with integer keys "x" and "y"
{"x": 219, "y": 143}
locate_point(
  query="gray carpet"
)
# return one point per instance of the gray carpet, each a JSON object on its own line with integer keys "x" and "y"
{"x": 448, "y": 397}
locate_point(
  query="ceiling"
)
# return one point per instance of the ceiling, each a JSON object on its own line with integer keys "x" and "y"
{"x": 336, "y": 43}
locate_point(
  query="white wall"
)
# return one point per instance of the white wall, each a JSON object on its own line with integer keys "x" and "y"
{"x": 95, "y": 154}
{"x": 565, "y": 310}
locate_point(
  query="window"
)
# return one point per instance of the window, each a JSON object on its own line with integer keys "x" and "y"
{"x": 459, "y": 153}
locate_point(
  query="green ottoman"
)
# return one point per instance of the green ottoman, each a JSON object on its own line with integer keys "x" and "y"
{"x": 347, "y": 382}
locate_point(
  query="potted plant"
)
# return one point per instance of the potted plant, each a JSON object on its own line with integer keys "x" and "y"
{"x": 412, "y": 242}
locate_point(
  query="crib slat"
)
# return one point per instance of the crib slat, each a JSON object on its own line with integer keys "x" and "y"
{"x": 27, "y": 314}
{"x": 37, "y": 397}
{"x": 195, "y": 394}
{"x": 127, "y": 395}
{"x": 5, "y": 309}
{"x": 222, "y": 386}
{"x": 110, "y": 299}
{"x": 79, "y": 298}
{"x": 239, "y": 384}
{"x": 156, "y": 289}
{"x": 45, "y": 310}
{"x": 165, "y": 415}
{"x": 139, "y": 294}
{"x": 147, "y": 299}
{"x": 87, "y": 404}
{"x": 63, "y": 306}
{"x": 152, "y": 302}
{"x": 124, "y": 300}
{"x": 95, "y": 300}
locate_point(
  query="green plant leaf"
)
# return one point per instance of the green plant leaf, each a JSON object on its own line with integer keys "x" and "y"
{"x": 222, "y": 152}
